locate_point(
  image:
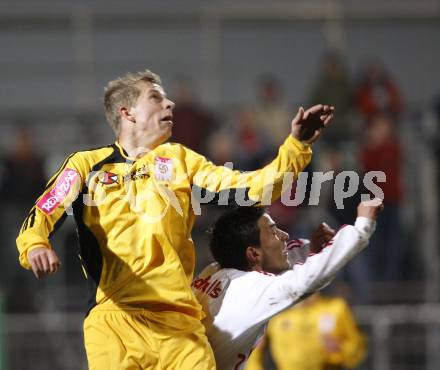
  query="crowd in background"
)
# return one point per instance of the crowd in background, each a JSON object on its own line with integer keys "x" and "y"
{"x": 365, "y": 136}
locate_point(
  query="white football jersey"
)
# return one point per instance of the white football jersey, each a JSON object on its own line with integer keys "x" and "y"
{"x": 238, "y": 304}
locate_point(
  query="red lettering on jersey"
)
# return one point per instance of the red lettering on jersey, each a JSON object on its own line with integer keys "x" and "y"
{"x": 216, "y": 290}
{"x": 202, "y": 284}
{"x": 212, "y": 289}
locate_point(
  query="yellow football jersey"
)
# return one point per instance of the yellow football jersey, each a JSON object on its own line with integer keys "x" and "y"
{"x": 296, "y": 337}
{"x": 134, "y": 217}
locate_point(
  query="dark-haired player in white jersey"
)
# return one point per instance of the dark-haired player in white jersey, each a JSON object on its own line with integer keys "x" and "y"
{"x": 259, "y": 274}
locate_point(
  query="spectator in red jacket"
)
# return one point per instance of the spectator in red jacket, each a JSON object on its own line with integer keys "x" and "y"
{"x": 377, "y": 93}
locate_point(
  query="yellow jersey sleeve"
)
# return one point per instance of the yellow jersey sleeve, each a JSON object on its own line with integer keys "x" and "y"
{"x": 352, "y": 342}
{"x": 224, "y": 185}
{"x": 51, "y": 208}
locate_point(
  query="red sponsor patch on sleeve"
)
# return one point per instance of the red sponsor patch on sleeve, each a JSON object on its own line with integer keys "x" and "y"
{"x": 59, "y": 192}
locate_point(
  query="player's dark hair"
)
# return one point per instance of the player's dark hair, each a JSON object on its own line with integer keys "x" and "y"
{"x": 233, "y": 232}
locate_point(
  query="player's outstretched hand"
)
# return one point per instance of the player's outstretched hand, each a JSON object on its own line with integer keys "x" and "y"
{"x": 307, "y": 125}
{"x": 370, "y": 208}
{"x": 322, "y": 235}
{"x": 44, "y": 261}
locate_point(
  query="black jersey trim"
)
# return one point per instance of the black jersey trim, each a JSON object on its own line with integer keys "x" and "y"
{"x": 90, "y": 251}
{"x": 64, "y": 164}
{"x": 114, "y": 157}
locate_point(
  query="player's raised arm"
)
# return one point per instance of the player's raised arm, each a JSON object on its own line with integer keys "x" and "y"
{"x": 319, "y": 269}
{"x": 265, "y": 185}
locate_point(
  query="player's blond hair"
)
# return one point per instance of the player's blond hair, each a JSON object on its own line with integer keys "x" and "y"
{"x": 124, "y": 91}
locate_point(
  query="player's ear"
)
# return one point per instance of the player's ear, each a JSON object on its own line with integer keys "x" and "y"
{"x": 253, "y": 255}
{"x": 126, "y": 112}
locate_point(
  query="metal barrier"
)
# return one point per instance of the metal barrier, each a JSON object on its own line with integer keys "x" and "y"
{"x": 44, "y": 341}
{"x": 404, "y": 337}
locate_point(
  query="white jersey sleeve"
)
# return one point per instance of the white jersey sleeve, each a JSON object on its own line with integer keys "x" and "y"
{"x": 238, "y": 304}
{"x": 298, "y": 250}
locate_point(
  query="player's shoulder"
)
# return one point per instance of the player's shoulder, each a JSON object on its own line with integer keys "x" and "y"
{"x": 212, "y": 268}
{"x": 92, "y": 157}
{"x": 215, "y": 271}
{"x": 98, "y": 151}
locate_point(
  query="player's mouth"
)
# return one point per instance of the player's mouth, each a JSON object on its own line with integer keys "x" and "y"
{"x": 167, "y": 119}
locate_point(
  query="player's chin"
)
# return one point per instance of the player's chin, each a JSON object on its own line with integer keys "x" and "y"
{"x": 167, "y": 130}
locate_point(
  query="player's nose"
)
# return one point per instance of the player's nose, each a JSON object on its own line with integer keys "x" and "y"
{"x": 283, "y": 235}
{"x": 169, "y": 104}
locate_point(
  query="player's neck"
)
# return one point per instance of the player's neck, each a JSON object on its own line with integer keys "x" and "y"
{"x": 137, "y": 147}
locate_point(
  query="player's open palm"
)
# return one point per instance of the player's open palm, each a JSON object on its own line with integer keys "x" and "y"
{"x": 44, "y": 261}
{"x": 308, "y": 125}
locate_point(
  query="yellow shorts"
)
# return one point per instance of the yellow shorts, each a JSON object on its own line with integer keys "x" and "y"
{"x": 140, "y": 339}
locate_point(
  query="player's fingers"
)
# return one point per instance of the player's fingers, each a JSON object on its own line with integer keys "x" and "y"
{"x": 54, "y": 261}
{"x": 320, "y": 240}
{"x": 299, "y": 116}
{"x": 44, "y": 263}
{"x": 328, "y": 109}
{"x": 324, "y": 238}
{"x": 327, "y": 229}
{"x": 315, "y": 109}
{"x": 36, "y": 271}
{"x": 36, "y": 267}
{"x": 326, "y": 119}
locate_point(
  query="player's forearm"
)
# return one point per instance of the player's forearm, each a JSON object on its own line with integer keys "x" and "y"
{"x": 319, "y": 269}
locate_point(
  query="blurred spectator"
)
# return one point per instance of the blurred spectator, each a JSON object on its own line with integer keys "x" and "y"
{"x": 319, "y": 333}
{"x": 221, "y": 146}
{"x": 377, "y": 93}
{"x": 21, "y": 176}
{"x": 192, "y": 122}
{"x": 22, "y": 173}
{"x": 356, "y": 274}
{"x": 272, "y": 116}
{"x": 382, "y": 152}
{"x": 333, "y": 87}
{"x": 250, "y": 140}
{"x": 252, "y": 149}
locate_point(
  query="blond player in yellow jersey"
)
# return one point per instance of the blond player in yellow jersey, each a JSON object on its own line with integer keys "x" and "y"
{"x": 134, "y": 203}
{"x": 320, "y": 333}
